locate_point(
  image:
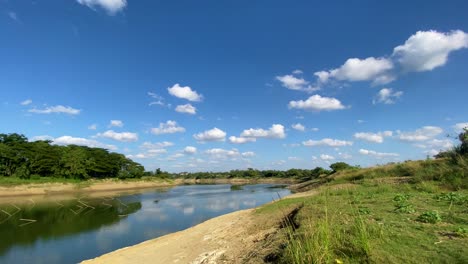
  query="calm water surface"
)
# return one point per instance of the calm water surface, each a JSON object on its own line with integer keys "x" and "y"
{"x": 83, "y": 228}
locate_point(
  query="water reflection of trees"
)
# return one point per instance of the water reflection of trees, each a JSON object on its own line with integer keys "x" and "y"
{"x": 50, "y": 221}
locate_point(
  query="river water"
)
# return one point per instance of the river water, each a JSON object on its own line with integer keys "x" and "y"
{"x": 82, "y": 228}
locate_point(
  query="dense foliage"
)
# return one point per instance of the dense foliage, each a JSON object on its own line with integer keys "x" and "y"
{"x": 23, "y": 159}
{"x": 300, "y": 174}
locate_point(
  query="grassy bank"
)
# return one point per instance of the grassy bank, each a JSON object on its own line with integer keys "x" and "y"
{"x": 413, "y": 212}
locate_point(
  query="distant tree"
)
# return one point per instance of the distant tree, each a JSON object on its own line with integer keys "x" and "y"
{"x": 339, "y": 166}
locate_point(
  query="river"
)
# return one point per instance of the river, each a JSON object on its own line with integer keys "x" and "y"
{"x": 72, "y": 230}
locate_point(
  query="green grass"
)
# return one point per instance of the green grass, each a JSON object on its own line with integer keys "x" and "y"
{"x": 360, "y": 224}
{"x": 13, "y": 181}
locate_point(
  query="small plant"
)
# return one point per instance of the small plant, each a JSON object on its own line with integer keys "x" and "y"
{"x": 364, "y": 210}
{"x": 431, "y": 217}
{"x": 452, "y": 197}
{"x": 404, "y": 208}
{"x": 461, "y": 231}
{"x": 401, "y": 197}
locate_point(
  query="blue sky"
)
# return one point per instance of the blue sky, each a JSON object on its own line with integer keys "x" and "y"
{"x": 220, "y": 85}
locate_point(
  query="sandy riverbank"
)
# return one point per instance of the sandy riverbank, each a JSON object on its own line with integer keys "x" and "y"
{"x": 229, "y": 238}
{"x": 96, "y": 188}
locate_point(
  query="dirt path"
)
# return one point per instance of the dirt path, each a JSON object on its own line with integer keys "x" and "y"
{"x": 219, "y": 240}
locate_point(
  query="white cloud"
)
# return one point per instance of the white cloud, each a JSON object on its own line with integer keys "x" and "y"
{"x": 354, "y": 69}
{"x": 157, "y": 151}
{"x": 377, "y": 154}
{"x": 387, "y": 96}
{"x": 326, "y": 157}
{"x": 441, "y": 144}
{"x": 298, "y": 72}
{"x": 248, "y": 154}
{"x": 42, "y": 137}
{"x": 294, "y": 83}
{"x": 427, "y": 50}
{"x": 298, "y": 127}
{"x": 190, "y": 150}
{"x": 187, "y": 109}
{"x": 460, "y": 126}
{"x": 92, "y": 127}
{"x": 116, "y": 123}
{"x": 157, "y": 100}
{"x": 241, "y": 140}
{"x": 169, "y": 127}
{"x": 68, "y": 140}
{"x": 185, "y": 93}
{"x": 373, "y": 137}
{"x": 315, "y": 129}
{"x": 317, "y": 103}
{"x": 294, "y": 158}
{"x": 422, "y": 134}
{"x": 275, "y": 131}
{"x": 327, "y": 142}
{"x": 214, "y": 134}
{"x": 123, "y": 136}
{"x": 111, "y": 6}
{"x": 157, "y": 145}
{"x": 26, "y": 102}
{"x": 219, "y": 153}
{"x": 56, "y": 109}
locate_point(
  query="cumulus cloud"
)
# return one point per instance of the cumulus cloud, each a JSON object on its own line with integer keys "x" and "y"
{"x": 354, "y": 69}
{"x": 26, "y": 102}
{"x": 184, "y": 92}
{"x": 327, "y": 142}
{"x": 441, "y": 144}
{"x": 190, "y": 150}
{"x": 68, "y": 140}
{"x": 170, "y": 127}
{"x": 111, "y": 6}
{"x": 373, "y": 137}
{"x": 422, "y": 134}
{"x": 157, "y": 145}
{"x": 296, "y": 83}
{"x": 123, "y": 136}
{"x": 219, "y": 153}
{"x": 116, "y": 123}
{"x": 187, "y": 109}
{"x": 92, "y": 127}
{"x": 275, "y": 131}
{"x": 248, "y": 154}
{"x": 214, "y": 134}
{"x": 460, "y": 126}
{"x": 317, "y": 103}
{"x": 427, "y": 50}
{"x": 422, "y": 51}
{"x": 298, "y": 127}
{"x": 326, "y": 157}
{"x": 42, "y": 137}
{"x": 387, "y": 96}
{"x": 59, "y": 109}
{"x": 241, "y": 140}
{"x": 377, "y": 154}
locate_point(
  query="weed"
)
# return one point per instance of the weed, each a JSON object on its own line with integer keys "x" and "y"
{"x": 431, "y": 217}
{"x": 404, "y": 208}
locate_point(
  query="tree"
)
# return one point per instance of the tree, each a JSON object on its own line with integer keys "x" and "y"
{"x": 339, "y": 166}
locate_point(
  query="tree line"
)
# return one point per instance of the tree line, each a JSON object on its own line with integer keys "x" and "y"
{"x": 24, "y": 159}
